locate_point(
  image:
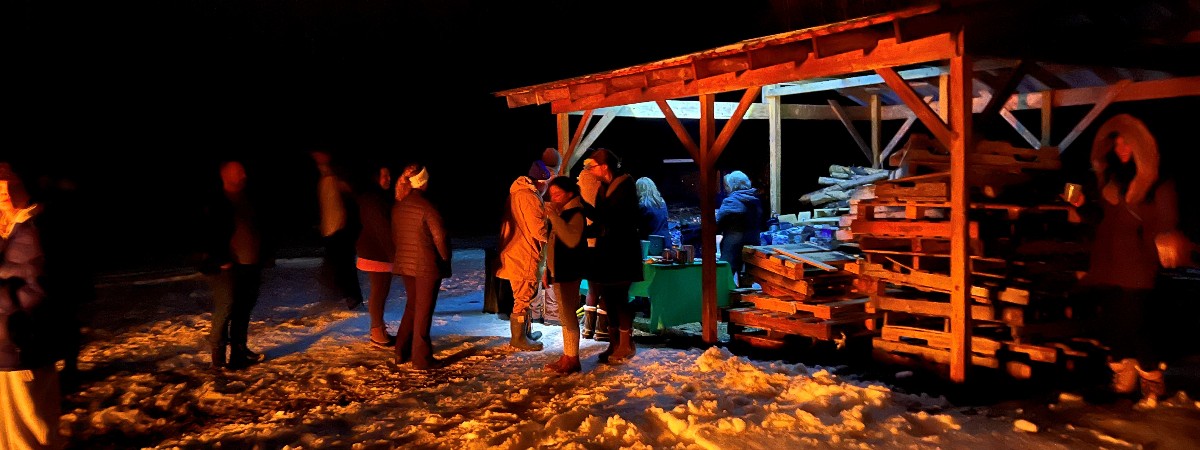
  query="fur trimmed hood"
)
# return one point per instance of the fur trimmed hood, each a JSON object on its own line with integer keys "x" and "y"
{"x": 1145, "y": 154}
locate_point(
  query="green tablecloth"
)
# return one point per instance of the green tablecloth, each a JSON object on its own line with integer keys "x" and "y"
{"x": 675, "y": 292}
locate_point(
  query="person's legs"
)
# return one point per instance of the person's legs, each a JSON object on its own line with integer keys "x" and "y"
{"x": 568, "y": 296}
{"x": 247, "y": 280}
{"x": 221, "y": 286}
{"x": 30, "y": 402}
{"x": 523, "y": 292}
{"x": 380, "y": 284}
{"x": 615, "y": 297}
{"x": 422, "y": 352}
{"x": 404, "y": 334}
{"x": 345, "y": 273}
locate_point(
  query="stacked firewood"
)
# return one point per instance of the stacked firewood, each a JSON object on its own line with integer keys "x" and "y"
{"x": 840, "y": 183}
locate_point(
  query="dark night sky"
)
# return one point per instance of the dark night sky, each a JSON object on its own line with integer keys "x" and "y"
{"x": 95, "y": 87}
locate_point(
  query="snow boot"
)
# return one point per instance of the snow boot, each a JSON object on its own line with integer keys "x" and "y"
{"x": 1125, "y": 376}
{"x": 565, "y": 365}
{"x": 589, "y": 322}
{"x": 625, "y": 348}
{"x": 601, "y": 328}
{"x": 218, "y": 356}
{"x": 520, "y": 341}
{"x": 532, "y": 335}
{"x": 1152, "y": 383}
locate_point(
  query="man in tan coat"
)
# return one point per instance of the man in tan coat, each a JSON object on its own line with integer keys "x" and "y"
{"x": 523, "y": 237}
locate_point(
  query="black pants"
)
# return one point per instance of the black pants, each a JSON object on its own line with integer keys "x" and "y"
{"x": 338, "y": 274}
{"x": 1130, "y": 324}
{"x": 412, "y": 339}
{"x": 234, "y": 292}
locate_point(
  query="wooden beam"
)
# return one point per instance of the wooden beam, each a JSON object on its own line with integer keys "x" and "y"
{"x": 887, "y": 151}
{"x": 862, "y": 145}
{"x": 580, "y": 129}
{"x": 1109, "y": 96}
{"x": 732, "y": 125}
{"x": 680, "y": 132}
{"x": 710, "y": 313}
{"x": 943, "y": 106}
{"x": 1047, "y": 118}
{"x": 876, "y": 130}
{"x": 565, "y": 149}
{"x": 918, "y": 106}
{"x": 775, "y": 146}
{"x": 1004, "y": 88}
{"x": 803, "y": 87}
{"x": 1021, "y": 130}
{"x": 960, "y": 273}
{"x": 594, "y": 133}
{"x": 887, "y": 53}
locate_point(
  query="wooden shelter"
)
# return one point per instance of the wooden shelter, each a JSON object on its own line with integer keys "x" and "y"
{"x": 987, "y": 60}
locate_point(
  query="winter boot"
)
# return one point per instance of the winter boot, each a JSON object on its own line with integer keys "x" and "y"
{"x": 218, "y": 356}
{"x": 516, "y": 327}
{"x": 1152, "y": 382}
{"x": 589, "y": 322}
{"x": 1125, "y": 376}
{"x": 565, "y": 365}
{"x": 614, "y": 341}
{"x": 601, "y": 328}
{"x": 532, "y": 335}
{"x": 625, "y": 348}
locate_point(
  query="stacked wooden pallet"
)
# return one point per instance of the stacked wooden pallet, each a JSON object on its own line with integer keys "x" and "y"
{"x": 803, "y": 291}
{"x": 1022, "y": 265}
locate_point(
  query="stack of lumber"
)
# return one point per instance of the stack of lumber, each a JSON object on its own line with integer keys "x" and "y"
{"x": 1024, "y": 260}
{"x": 803, "y": 291}
{"x": 840, "y": 183}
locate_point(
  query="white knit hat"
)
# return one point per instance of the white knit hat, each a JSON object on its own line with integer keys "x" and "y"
{"x": 419, "y": 180}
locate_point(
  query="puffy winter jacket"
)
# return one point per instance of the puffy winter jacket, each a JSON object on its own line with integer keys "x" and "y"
{"x": 422, "y": 247}
{"x": 523, "y": 233}
{"x": 23, "y": 311}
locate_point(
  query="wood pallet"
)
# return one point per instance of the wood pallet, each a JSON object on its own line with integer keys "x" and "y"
{"x": 829, "y": 309}
{"x": 801, "y": 323}
{"x": 935, "y": 282}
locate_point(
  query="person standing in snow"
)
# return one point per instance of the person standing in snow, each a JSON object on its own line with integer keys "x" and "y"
{"x": 617, "y": 261}
{"x": 566, "y": 260}
{"x": 339, "y": 231}
{"x": 422, "y": 261}
{"x": 595, "y": 317}
{"x": 1137, "y": 209}
{"x": 235, "y": 250}
{"x": 30, "y": 395}
{"x": 739, "y": 219}
{"x": 523, "y": 237}
{"x": 374, "y": 246}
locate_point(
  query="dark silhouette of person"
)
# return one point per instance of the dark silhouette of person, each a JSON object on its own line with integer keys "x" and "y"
{"x": 374, "y": 196}
{"x": 236, "y": 248}
{"x": 339, "y": 229}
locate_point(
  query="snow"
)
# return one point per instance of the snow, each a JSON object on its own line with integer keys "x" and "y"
{"x": 146, "y": 383}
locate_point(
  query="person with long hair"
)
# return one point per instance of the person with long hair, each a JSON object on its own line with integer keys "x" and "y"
{"x": 1137, "y": 207}
{"x": 30, "y": 394}
{"x": 739, "y": 219}
{"x": 373, "y": 194}
{"x": 566, "y": 262}
{"x": 653, "y": 209}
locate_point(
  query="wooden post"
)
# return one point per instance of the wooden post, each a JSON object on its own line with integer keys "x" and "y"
{"x": 876, "y": 131}
{"x": 775, "y": 142}
{"x": 943, "y": 101}
{"x": 708, "y": 221}
{"x": 564, "y": 141}
{"x": 1047, "y": 108}
{"x": 960, "y": 277}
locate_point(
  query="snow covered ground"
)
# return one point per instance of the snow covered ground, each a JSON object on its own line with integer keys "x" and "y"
{"x": 146, "y": 384}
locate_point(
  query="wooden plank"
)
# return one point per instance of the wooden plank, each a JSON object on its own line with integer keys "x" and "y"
{"x": 680, "y": 132}
{"x": 896, "y": 138}
{"x": 731, "y": 125}
{"x": 937, "y": 339}
{"x": 813, "y": 260}
{"x": 775, "y": 142}
{"x": 906, "y": 229}
{"x": 788, "y": 323}
{"x": 827, "y": 310}
{"x": 759, "y": 340}
{"x": 876, "y": 131}
{"x": 1020, "y": 128}
{"x": 931, "y": 354}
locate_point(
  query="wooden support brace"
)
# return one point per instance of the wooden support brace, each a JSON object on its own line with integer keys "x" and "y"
{"x": 1110, "y": 94}
{"x": 681, "y": 132}
{"x": 918, "y": 106}
{"x": 846, "y": 122}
